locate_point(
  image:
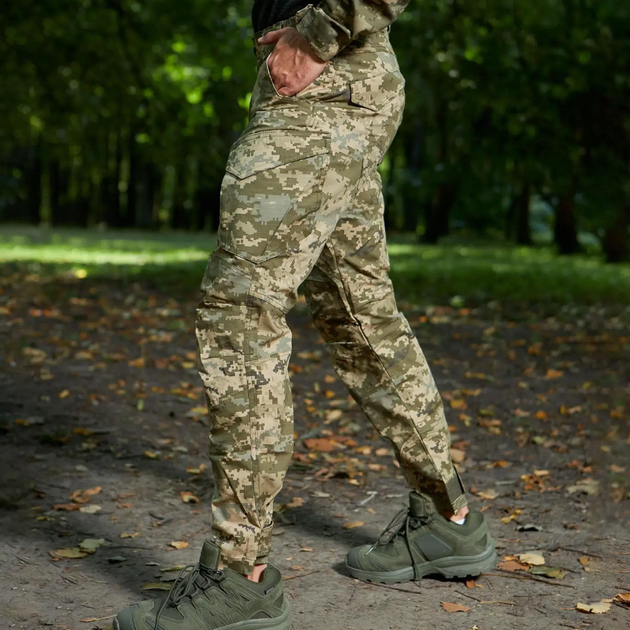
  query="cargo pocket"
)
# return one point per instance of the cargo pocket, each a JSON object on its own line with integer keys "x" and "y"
{"x": 376, "y": 92}
{"x": 268, "y": 174}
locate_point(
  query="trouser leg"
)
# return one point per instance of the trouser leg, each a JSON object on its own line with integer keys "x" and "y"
{"x": 281, "y": 199}
{"x": 244, "y": 346}
{"x": 375, "y": 352}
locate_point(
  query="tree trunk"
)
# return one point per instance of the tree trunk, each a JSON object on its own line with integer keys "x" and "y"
{"x": 60, "y": 212}
{"x": 149, "y": 182}
{"x": 179, "y": 218}
{"x": 111, "y": 193}
{"x": 437, "y": 217}
{"x": 565, "y": 231}
{"x": 523, "y": 230}
{"x": 615, "y": 242}
{"x": 131, "y": 216}
{"x": 34, "y": 185}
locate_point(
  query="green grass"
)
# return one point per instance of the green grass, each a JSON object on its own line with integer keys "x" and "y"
{"x": 455, "y": 273}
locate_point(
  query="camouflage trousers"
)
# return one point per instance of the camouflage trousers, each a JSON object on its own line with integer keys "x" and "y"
{"x": 301, "y": 202}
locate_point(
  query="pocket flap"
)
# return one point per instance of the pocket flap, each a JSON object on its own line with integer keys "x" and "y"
{"x": 263, "y": 150}
{"x": 375, "y": 92}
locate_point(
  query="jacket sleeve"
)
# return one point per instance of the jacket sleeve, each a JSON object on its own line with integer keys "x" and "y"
{"x": 333, "y": 24}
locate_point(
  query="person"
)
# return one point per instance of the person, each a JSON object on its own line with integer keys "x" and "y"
{"x": 301, "y": 203}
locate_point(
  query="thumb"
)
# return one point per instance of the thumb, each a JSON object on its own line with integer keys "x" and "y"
{"x": 272, "y": 37}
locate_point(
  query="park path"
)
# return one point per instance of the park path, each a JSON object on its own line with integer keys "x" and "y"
{"x": 105, "y": 490}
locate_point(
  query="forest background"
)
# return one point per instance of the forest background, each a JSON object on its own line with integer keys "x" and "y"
{"x": 120, "y": 114}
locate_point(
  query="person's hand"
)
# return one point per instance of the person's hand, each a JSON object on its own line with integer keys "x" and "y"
{"x": 293, "y": 64}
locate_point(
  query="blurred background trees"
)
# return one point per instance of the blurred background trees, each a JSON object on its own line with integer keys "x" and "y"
{"x": 517, "y": 125}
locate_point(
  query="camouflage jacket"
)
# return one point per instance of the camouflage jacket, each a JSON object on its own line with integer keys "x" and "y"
{"x": 333, "y": 24}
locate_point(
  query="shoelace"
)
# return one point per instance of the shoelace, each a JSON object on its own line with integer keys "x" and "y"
{"x": 401, "y": 525}
{"x": 192, "y": 579}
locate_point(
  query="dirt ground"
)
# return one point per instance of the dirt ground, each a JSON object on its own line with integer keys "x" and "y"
{"x": 103, "y": 438}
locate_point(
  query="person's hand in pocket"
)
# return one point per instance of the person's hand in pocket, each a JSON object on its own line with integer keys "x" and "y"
{"x": 293, "y": 65}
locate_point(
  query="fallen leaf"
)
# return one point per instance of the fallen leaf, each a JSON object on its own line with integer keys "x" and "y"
{"x": 156, "y": 586}
{"x": 596, "y": 608}
{"x": 188, "y": 497}
{"x": 90, "y": 509}
{"x": 179, "y": 544}
{"x": 68, "y": 554}
{"x": 586, "y": 486}
{"x": 551, "y": 373}
{"x": 195, "y": 470}
{"x": 550, "y": 572}
{"x": 458, "y": 404}
{"x": 457, "y": 455}
{"x": 584, "y": 560}
{"x": 381, "y": 452}
{"x": 130, "y": 535}
{"x": 622, "y": 599}
{"x": 67, "y": 507}
{"x": 533, "y": 559}
{"x": 488, "y": 495}
{"x": 64, "y": 394}
{"x": 353, "y": 524}
{"x": 151, "y": 454}
{"x": 512, "y": 565}
{"x": 295, "y": 502}
{"x": 453, "y": 608}
{"x": 83, "y": 496}
{"x": 322, "y": 445}
{"x": 90, "y": 545}
{"x": 306, "y": 549}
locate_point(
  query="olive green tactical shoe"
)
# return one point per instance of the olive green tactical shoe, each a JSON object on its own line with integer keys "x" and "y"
{"x": 419, "y": 542}
{"x": 208, "y": 599}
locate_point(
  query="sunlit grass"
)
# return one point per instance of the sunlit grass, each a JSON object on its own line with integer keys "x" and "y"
{"x": 456, "y": 273}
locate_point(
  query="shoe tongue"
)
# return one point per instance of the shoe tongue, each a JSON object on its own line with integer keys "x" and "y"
{"x": 420, "y": 506}
{"x": 210, "y": 554}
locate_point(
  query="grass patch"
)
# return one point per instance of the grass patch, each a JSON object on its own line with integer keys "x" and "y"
{"x": 455, "y": 273}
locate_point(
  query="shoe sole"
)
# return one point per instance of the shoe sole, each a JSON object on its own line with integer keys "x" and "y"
{"x": 450, "y": 567}
{"x": 281, "y": 622}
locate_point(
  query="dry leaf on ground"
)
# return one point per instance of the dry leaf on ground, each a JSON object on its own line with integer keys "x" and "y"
{"x": 188, "y": 497}
{"x": 488, "y": 495}
{"x": 452, "y": 608}
{"x": 550, "y": 572}
{"x": 179, "y": 544}
{"x": 622, "y": 599}
{"x": 68, "y": 554}
{"x": 512, "y": 565}
{"x": 533, "y": 559}
{"x": 596, "y": 608}
{"x": 90, "y": 545}
{"x": 353, "y": 524}
{"x": 585, "y": 486}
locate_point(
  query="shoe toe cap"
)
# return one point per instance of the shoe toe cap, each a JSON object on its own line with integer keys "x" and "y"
{"x": 356, "y": 557}
{"x": 135, "y": 617}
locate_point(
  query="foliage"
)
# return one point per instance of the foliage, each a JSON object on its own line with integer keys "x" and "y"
{"x": 121, "y": 112}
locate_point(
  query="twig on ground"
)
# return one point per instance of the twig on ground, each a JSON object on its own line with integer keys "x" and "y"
{"x": 92, "y": 619}
{"x": 529, "y": 578}
{"x": 24, "y": 560}
{"x": 583, "y": 553}
{"x": 393, "y": 588}
{"x": 372, "y": 494}
{"x": 293, "y": 577}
